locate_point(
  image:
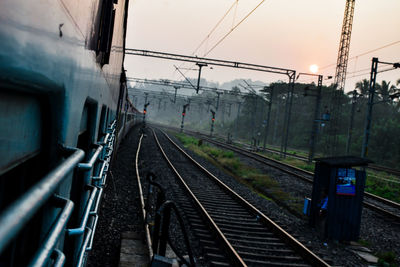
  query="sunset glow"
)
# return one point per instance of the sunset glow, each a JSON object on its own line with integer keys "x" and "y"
{"x": 314, "y": 68}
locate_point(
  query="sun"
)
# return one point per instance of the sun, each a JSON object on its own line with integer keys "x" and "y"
{"x": 314, "y": 68}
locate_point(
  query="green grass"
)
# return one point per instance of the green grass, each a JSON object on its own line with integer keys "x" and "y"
{"x": 379, "y": 184}
{"x": 264, "y": 185}
{"x": 387, "y": 258}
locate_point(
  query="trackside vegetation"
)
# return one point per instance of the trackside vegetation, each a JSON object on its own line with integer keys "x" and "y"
{"x": 261, "y": 183}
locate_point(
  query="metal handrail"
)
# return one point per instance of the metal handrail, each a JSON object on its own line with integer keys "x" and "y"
{"x": 81, "y": 229}
{"x": 17, "y": 215}
{"x": 94, "y": 227}
{"x": 84, "y": 246}
{"x": 103, "y": 154}
{"x": 47, "y": 247}
{"x": 88, "y": 166}
{"x": 59, "y": 258}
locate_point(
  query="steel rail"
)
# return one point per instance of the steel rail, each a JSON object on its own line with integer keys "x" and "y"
{"x": 265, "y": 160}
{"x": 288, "y": 239}
{"x": 233, "y": 255}
{"x": 142, "y": 203}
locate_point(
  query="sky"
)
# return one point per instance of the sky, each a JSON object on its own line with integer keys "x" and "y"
{"x": 289, "y": 34}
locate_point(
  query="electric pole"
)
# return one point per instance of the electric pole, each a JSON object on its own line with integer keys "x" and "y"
{"x": 368, "y": 117}
{"x": 237, "y": 120}
{"x": 200, "y": 64}
{"x": 271, "y": 95}
{"x": 350, "y": 131}
{"x": 316, "y": 120}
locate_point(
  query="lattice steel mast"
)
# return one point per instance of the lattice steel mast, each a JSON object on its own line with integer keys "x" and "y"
{"x": 344, "y": 47}
{"x": 340, "y": 75}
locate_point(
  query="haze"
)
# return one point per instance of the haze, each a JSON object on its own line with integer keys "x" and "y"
{"x": 289, "y": 34}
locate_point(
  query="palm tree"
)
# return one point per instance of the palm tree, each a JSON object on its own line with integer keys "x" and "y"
{"x": 363, "y": 87}
{"x": 385, "y": 90}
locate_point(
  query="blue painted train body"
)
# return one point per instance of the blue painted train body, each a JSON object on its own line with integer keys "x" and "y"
{"x": 63, "y": 108}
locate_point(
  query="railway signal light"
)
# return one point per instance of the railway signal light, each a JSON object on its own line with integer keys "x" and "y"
{"x": 145, "y": 111}
{"x": 183, "y": 115}
{"x": 212, "y": 121}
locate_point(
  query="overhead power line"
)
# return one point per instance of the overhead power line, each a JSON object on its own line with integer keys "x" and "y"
{"x": 231, "y": 30}
{"x": 363, "y": 54}
{"x": 215, "y": 27}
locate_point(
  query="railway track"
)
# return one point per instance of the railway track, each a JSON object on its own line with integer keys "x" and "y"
{"x": 385, "y": 207}
{"x": 303, "y": 158}
{"x": 231, "y": 230}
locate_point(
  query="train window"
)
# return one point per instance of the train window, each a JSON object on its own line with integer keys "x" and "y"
{"x": 24, "y": 161}
{"x": 103, "y": 123}
{"x": 105, "y": 34}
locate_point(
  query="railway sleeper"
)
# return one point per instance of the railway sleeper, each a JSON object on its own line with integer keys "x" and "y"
{"x": 215, "y": 257}
{"x": 226, "y": 213}
{"x": 237, "y": 222}
{"x": 269, "y": 257}
{"x": 248, "y": 218}
{"x": 273, "y": 251}
{"x": 282, "y": 261}
{"x": 241, "y": 232}
{"x": 241, "y": 228}
{"x": 225, "y": 208}
{"x": 266, "y": 243}
{"x": 207, "y": 236}
{"x": 201, "y": 231}
{"x": 251, "y": 262}
{"x": 253, "y": 237}
{"x": 219, "y": 264}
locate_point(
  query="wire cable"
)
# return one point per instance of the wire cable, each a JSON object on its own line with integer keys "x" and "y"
{"x": 240, "y": 22}
{"x": 363, "y": 54}
{"x": 215, "y": 27}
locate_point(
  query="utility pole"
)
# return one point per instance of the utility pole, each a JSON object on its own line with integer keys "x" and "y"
{"x": 276, "y": 121}
{"x": 217, "y": 106}
{"x": 183, "y": 115}
{"x": 350, "y": 131}
{"x": 371, "y": 94}
{"x": 237, "y": 120}
{"x": 288, "y": 111}
{"x": 159, "y": 103}
{"x": 316, "y": 120}
{"x": 176, "y": 90}
{"x": 368, "y": 118}
{"x": 253, "y": 118}
{"x": 200, "y": 64}
{"x": 271, "y": 95}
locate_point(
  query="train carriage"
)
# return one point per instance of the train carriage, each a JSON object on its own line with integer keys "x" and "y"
{"x": 63, "y": 108}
